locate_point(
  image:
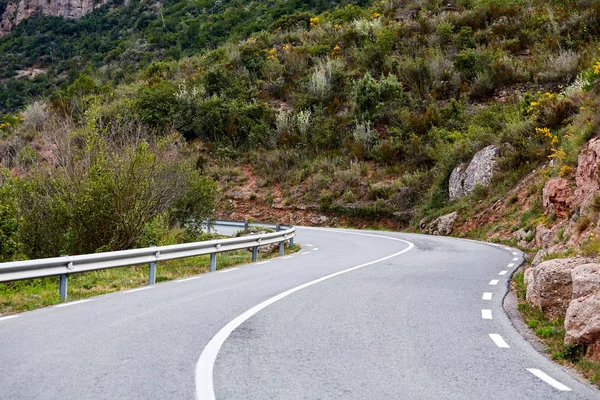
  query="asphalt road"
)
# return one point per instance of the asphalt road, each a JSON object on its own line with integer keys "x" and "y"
{"x": 354, "y": 315}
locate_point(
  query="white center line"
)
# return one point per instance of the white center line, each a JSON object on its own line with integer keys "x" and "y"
{"x": 516, "y": 259}
{"x": 549, "y": 380}
{"x": 487, "y": 296}
{"x": 494, "y": 282}
{"x": 227, "y": 270}
{"x": 486, "y": 314}
{"x": 8, "y": 317}
{"x": 262, "y": 262}
{"x": 499, "y": 341}
{"x": 204, "y": 367}
{"x": 187, "y": 279}
{"x": 138, "y": 289}
{"x": 71, "y": 303}
{"x": 502, "y": 272}
{"x": 510, "y": 265}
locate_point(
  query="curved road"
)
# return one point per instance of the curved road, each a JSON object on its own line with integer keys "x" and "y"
{"x": 354, "y": 315}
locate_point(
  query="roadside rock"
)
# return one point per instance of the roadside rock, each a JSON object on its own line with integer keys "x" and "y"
{"x": 582, "y": 324}
{"x": 480, "y": 171}
{"x": 522, "y": 235}
{"x": 539, "y": 257}
{"x": 586, "y": 280}
{"x": 318, "y": 219}
{"x": 549, "y": 285}
{"x": 544, "y": 237}
{"x": 442, "y": 225}
{"x": 558, "y": 197}
{"x": 586, "y": 175}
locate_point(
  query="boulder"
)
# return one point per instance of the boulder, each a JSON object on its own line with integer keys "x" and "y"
{"x": 544, "y": 237}
{"x": 318, "y": 219}
{"x": 539, "y": 257}
{"x": 586, "y": 280}
{"x": 442, "y": 225}
{"x": 582, "y": 323}
{"x": 549, "y": 285}
{"x": 586, "y": 175}
{"x": 480, "y": 171}
{"x": 557, "y": 197}
{"x": 522, "y": 237}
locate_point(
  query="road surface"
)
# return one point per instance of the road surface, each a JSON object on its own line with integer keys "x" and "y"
{"x": 354, "y": 315}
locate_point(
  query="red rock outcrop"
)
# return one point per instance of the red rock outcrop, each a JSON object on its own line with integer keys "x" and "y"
{"x": 582, "y": 324}
{"x": 586, "y": 175}
{"x": 18, "y": 10}
{"x": 558, "y": 197}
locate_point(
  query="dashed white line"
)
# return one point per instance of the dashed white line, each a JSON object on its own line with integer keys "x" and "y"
{"x": 309, "y": 245}
{"x": 315, "y": 249}
{"x": 510, "y": 265}
{"x": 486, "y": 314}
{"x": 71, "y": 303}
{"x": 138, "y": 289}
{"x": 499, "y": 341}
{"x": 487, "y": 296}
{"x": 187, "y": 279}
{"x": 549, "y": 380}
{"x": 286, "y": 257}
{"x": 494, "y": 282}
{"x": 515, "y": 253}
{"x": 8, "y": 317}
{"x": 502, "y": 272}
{"x": 227, "y": 270}
{"x": 262, "y": 262}
{"x": 305, "y": 253}
{"x": 516, "y": 259}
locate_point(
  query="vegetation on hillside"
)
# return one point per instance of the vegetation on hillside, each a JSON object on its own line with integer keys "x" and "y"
{"x": 123, "y": 37}
{"x": 359, "y": 111}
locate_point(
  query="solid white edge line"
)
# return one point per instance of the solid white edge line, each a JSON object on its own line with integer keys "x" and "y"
{"x": 204, "y": 367}
{"x": 486, "y": 314}
{"x": 287, "y": 257}
{"x": 549, "y": 380}
{"x": 8, "y": 317}
{"x": 494, "y": 282}
{"x": 138, "y": 289}
{"x": 187, "y": 279}
{"x": 502, "y": 272}
{"x": 499, "y": 341}
{"x": 71, "y": 303}
{"x": 304, "y": 254}
{"x": 262, "y": 262}
{"x": 227, "y": 270}
{"x": 487, "y": 296}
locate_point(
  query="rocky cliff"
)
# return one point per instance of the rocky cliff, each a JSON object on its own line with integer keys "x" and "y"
{"x": 18, "y": 10}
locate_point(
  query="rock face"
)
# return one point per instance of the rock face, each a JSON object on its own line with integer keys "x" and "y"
{"x": 558, "y": 197}
{"x": 479, "y": 172}
{"x": 586, "y": 280}
{"x": 549, "y": 285}
{"x": 18, "y": 10}
{"x": 442, "y": 225}
{"x": 582, "y": 324}
{"x": 586, "y": 175}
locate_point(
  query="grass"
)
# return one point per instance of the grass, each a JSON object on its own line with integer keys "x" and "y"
{"x": 552, "y": 334}
{"x": 35, "y": 293}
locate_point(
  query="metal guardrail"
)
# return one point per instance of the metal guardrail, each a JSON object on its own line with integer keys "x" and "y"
{"x": 67, "y": 265}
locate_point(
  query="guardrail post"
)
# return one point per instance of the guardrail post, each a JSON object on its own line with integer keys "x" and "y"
{"x": 291, "y": 242}
{"x": 62, "y": 287}
{"x": 281, "y": 247}
{"x": 254, "y": 254}
{"x": 246, "y": 225}
{"x": 152, "y": 273}
{"x": 213, "y": 262}
{"x": 277, "y": 227}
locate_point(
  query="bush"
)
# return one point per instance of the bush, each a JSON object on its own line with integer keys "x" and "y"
{"x": 157, "y": 104}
